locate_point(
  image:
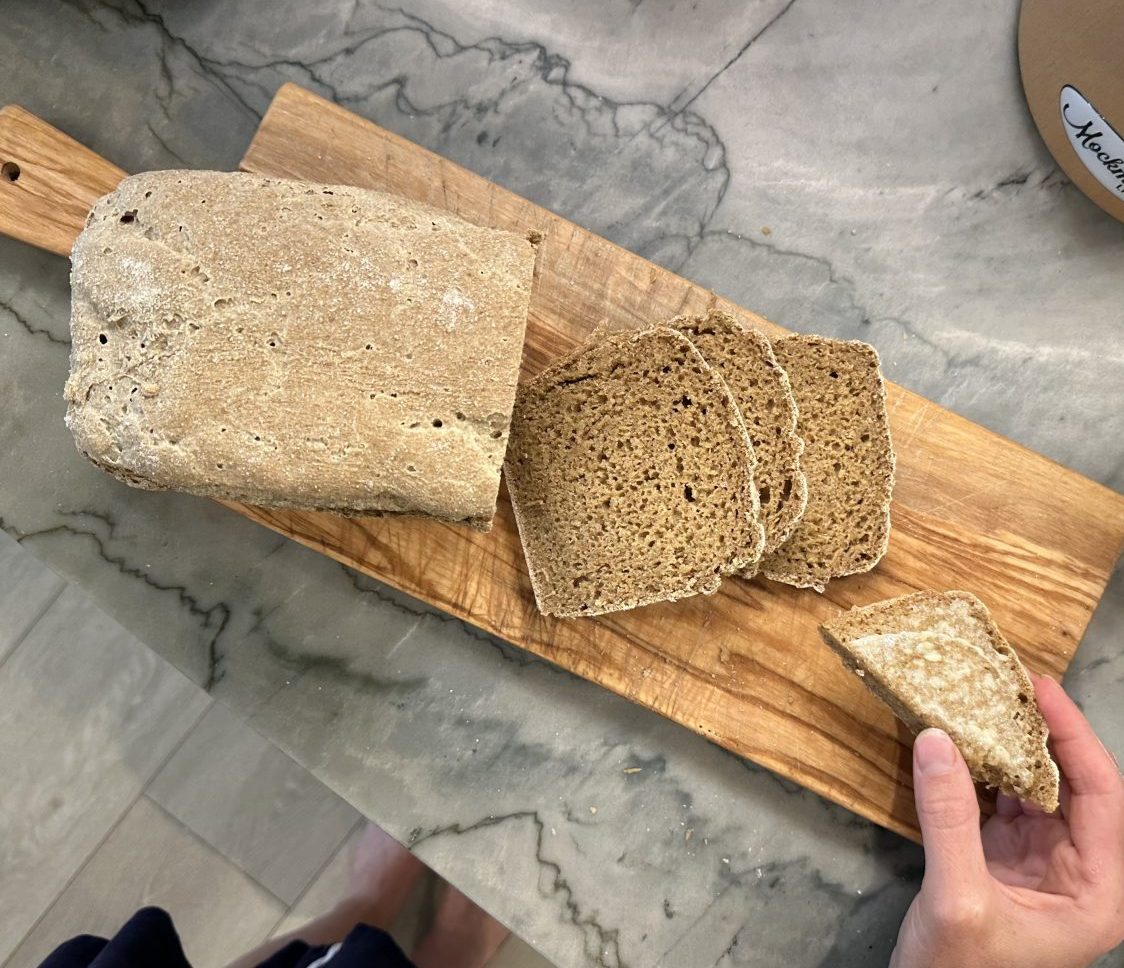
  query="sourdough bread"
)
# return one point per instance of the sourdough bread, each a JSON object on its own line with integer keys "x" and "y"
{"x": 631, "y": 476}
{"x": 938, "y": 659}
{"x": 760, "y": 387}
{"x": 296, "y": 345}
{"x": 848, "y": 461}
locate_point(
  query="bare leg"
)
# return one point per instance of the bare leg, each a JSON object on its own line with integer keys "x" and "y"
{"x": 382, "y": 876}
{"x": 462, "y": 936}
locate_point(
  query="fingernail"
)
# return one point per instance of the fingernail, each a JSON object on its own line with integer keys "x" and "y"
{"x": 934, "y": 752}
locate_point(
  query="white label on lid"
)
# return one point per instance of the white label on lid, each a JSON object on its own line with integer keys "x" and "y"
{"x": 1095, "y": 140}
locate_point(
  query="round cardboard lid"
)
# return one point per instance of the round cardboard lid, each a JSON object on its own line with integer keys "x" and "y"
{"x": 1071, "y": 56}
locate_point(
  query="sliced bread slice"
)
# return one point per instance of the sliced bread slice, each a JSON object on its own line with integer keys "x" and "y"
{"x": 848, "y": 460}
{"x": 938, "y": 659}
{"x": 631, "y": 476}
{"x": 744, "y": 358}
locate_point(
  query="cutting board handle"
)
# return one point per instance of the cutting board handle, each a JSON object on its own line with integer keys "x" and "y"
{"x": 48, "y": 181}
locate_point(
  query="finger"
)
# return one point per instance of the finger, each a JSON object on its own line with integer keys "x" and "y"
{"x": 949, "y": 814}
{"x": 1008, "y": 807}
{"x": 1064, "y": 795}
{"x": 1096, "y": 794}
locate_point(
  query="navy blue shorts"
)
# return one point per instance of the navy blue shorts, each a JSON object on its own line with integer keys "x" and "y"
{"x": 149, "y": 940}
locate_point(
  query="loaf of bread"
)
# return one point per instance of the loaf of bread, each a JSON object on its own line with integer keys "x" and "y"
{"x": 760, "y": 387}
{"x": 631, "y": 476}
{"x": 296, "y": 345}
{"x": 938, "y": 659}
{"x": 848, "y": 461}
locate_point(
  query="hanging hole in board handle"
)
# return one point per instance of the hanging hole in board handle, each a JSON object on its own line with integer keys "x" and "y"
{"x": 10, "y": 170}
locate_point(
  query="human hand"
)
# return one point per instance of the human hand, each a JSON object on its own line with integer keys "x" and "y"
{"x": 1029, "y": 889}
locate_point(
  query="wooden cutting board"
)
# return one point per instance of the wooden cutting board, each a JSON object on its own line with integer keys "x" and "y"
{"x": 744, "y": 667}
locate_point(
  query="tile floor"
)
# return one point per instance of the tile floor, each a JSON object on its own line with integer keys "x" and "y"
{"x": 150, "y": 793}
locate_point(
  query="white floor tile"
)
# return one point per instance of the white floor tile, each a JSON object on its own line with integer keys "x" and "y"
{"x": 253, "y": 803}
{"x": 27, "y": 587}
{"x": 152, "y": 859}
{"x": 87, "y": 715}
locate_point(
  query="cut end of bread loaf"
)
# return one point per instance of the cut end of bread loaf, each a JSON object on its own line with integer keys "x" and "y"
{"x": 631, "y": 477}
{"x": 744, "y": 358}
{"x": 938, "y": 660}
{"x": 848, "y": 461}
{"x": 296, "y": 345}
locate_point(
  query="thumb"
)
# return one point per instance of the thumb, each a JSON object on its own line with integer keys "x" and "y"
{"x": 948, "y": 812}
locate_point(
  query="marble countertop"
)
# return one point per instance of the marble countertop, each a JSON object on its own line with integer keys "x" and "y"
{"x": 863, "y": 170}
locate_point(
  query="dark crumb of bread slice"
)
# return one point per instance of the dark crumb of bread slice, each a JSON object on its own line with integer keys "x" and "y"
{"x": 631, "y": 476}
{"x": 744, "y": 358}
{"x": 848, "y": 461}
{"x": 938, "y": 659}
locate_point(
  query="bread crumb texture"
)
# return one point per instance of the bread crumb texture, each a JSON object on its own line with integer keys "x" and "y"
{"x": 744, "y": 358}
{"x": 939, "y": 660}
{"x": 296, "y": 345}
{"x": 848, "y": 461}
{"x": 631, "y": 475}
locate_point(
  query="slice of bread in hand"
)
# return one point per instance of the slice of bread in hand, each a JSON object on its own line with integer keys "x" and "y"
{"x": 631, "y": 476}
{"x": 938, "y": 659}
{"x": 744, "y": 358}
{"x": 847, "y": 459}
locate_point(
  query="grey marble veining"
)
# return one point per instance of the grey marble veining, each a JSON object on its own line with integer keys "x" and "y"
{"x": 856, "y": 169}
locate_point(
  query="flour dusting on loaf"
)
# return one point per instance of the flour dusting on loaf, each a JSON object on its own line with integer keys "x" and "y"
{"x": 296, "y": 345}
